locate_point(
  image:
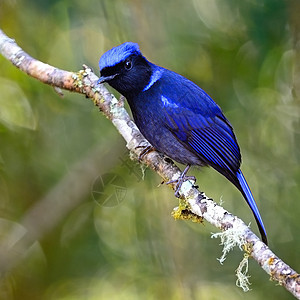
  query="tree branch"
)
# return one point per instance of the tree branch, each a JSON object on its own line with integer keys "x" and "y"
{"x": 198, "y": 204}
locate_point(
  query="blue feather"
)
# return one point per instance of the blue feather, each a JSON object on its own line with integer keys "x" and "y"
{"x": 118, "y": 54}
{"x": 251, "y": 202}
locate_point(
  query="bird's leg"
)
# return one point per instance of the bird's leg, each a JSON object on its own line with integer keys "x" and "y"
{"x": 145, "y": 151}
{"x": 182, "y": 178}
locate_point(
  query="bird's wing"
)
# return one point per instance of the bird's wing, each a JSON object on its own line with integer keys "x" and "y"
{"x": 198, "y": 122}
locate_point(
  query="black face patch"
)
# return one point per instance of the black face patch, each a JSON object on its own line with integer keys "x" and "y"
{"x": 127, "y": 78}
{"x": 108, "y": 71}
{"x": 122, "y": 67}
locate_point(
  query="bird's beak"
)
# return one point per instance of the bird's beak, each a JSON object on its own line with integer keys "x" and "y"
{"x": 106, "y": 78}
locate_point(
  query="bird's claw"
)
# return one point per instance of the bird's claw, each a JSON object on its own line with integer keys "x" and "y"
{"x": 179, "y": 183}
{"x": 180, "y": 180}
{"x": 121, "y": 101}
{"x": 145, "y": 151}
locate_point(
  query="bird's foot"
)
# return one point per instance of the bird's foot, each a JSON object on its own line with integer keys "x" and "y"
{"x": 121, "y": 101}
{"x": 146, "y": 150}
{"x": 180, "y": 180}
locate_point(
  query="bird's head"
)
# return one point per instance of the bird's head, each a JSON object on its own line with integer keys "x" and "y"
{"x": 125, "y": 69}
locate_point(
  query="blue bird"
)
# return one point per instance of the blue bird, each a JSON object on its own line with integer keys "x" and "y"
{"x": 176, "y": 116}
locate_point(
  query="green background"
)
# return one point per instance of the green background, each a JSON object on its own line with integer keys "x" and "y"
{"x": 78, "y": 219}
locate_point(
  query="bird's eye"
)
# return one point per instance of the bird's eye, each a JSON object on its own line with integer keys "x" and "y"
{"x": 128, "y": 64}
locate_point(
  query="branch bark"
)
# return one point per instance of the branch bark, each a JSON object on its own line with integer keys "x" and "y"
{"x": 198, "y": 204}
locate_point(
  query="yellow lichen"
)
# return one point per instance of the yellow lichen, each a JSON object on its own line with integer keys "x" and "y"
{"x": 183, "y": 212}
{"x": 271, "y": 260}
{"x": 248, "y": 247}
{"x": 78, "y": 77}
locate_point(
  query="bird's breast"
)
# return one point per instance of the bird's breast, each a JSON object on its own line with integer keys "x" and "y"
{"x": 152, "y": 122}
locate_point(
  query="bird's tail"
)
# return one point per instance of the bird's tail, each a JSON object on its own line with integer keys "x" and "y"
{"x": 251, "y": 202}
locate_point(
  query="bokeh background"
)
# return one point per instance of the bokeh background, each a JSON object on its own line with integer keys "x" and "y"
{"x": 78, "y": 218}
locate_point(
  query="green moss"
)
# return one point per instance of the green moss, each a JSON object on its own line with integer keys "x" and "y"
{"x": 183, "y": 212}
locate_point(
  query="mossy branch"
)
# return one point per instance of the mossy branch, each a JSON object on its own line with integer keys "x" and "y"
{"x": 198, "y": 204}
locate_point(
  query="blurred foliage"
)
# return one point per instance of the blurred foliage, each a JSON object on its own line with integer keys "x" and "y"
{"x": 70, "y": 238}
